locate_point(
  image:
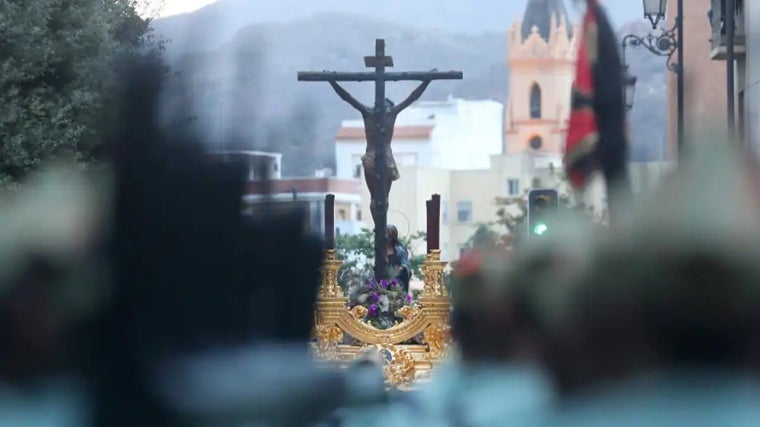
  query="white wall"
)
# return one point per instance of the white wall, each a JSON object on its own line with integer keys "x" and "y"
{"x": 348, "y": 154}
{"x": 465, "y": 136}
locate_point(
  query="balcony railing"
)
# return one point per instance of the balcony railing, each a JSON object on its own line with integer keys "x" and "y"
{"x": 718, "y": 23}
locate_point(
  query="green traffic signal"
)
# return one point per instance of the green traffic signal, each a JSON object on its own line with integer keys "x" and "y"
{"x": 542, "y": 205}
{"x": 540, "y": 229}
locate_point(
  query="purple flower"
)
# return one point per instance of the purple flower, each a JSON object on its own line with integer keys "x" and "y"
{"x": 384, "y": 284}
{"x": 374, "y": 296}
{"x": 395, "y": 283}
{"x": 373, "y": 310}
{"x": 372, "y": 284}
{"x": 408, "y": 298}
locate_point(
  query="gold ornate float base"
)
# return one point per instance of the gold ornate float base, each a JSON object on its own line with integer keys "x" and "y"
{"x": 405, "y": 365}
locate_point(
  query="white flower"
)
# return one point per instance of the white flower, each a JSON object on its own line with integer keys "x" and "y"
{"x": 383, "y": 303}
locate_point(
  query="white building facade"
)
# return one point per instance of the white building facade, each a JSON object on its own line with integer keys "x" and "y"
{"x": 454, "y": 135}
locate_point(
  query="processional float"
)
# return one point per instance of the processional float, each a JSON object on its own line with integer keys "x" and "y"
{"x": 405, "y": 364}
{"x": 429, "y": 315}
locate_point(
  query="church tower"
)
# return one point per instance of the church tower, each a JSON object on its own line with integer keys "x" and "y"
{"x": 542, "y": 50}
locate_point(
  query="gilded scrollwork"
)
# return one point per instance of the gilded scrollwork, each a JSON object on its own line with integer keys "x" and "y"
{"x": 407, "y": 312}
{"x": 358, "y": 312}
{"x": 328, "y": 337}
{"x": 437, "y": 337}
{"x": 367, "y": 333}
{"x": 400, "y": 371}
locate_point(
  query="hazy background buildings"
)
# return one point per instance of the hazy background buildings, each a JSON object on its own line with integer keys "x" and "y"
{"x": 470, "y": 141}
{"x": 218, "y": 50}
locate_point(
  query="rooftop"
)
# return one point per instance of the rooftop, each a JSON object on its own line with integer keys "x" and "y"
{"x": 248, "y": 153}
{"x": 347, "y": 133}
{"x": 305, "y": 185}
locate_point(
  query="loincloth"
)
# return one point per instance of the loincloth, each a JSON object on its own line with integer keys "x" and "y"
{"x": 368, "y": 161}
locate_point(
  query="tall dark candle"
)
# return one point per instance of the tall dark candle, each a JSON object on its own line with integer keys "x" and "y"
{"x": 428, "y": 222}
{"x": 330, "y": 221}
{"x": 436, "y": 217}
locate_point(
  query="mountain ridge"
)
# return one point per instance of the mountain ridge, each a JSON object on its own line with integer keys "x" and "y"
{"x": 222, "y": 19}
{"x": 247, "y": 96}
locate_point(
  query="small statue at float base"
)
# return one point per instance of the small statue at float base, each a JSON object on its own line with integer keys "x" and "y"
{"x": 398, "y": 258}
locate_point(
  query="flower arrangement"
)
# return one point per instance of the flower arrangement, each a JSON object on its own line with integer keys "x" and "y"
{"x": 382, "y": 299}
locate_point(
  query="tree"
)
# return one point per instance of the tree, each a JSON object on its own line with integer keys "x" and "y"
{"x": 58, "y": 60}
{"x": 357, "y": 252}
{"x": 483, "y": 238}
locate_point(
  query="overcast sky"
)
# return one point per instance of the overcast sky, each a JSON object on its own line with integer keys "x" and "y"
{"x": 175, "y": 7}
{"x": 621, "y": 11}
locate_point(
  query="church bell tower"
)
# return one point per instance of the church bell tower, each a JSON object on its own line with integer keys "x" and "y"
{"x": 542, "y": 50}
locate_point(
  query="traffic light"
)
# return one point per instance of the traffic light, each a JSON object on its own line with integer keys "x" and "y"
{"x": 541, "y": 205}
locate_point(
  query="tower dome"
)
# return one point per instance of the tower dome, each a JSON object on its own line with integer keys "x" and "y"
{"x": 538, "y": 13}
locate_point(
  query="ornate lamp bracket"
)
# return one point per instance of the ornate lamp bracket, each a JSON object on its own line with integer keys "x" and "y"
{"x": 661, "y": 43}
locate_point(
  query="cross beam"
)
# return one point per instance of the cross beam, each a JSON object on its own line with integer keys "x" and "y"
{"x": 335, "y": 76}
{"x": 377, "y": 118}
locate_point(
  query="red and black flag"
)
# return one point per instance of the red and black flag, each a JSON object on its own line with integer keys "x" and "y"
{"x": 596, "y": 138}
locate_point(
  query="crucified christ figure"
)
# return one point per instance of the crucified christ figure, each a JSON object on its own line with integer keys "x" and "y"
{"x": 379, "y": 133}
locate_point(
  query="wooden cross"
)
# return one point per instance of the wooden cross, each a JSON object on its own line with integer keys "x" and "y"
{"x": 378, "y": 123}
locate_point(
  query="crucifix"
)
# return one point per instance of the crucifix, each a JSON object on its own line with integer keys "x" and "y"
{"x": 379, "y": 120}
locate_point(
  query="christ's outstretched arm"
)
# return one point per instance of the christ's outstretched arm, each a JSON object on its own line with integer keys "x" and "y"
{"x": 415, "y": 95}
{"x": 344, "y": 95}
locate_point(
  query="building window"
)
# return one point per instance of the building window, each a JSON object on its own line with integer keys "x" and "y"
{"x": 358, "y": 214}
{"x": 535, "y": 101}
{"x": 342, "y": 215}
{"x": 462, "y": 250}
{"x": 444, "y": 212}
{"x": 358, "y": 171}
{"x": 513, "y": 187}
{"x": 536, "y": 143}
{"x": 464, "y": 211}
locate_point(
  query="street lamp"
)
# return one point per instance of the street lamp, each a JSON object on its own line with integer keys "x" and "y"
{"x": 661, "y": 43}
{"x": 629, "y": 91}
{"x": 654, "y": 11}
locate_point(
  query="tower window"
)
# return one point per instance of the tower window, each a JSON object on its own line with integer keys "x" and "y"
{"x": 536, "y": 142}
{"x": 535, "y": 101}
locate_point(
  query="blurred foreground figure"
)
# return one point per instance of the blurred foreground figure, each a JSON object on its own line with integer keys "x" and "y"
{"x": 211, "y": 313}
{"x": 664, "y": 328}
{"x": 497, "y": 378}
{"x": 164, "y": 304}
{"x": 51, "y": 279}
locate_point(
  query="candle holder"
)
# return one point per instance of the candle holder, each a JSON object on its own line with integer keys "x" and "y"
{"x": 432, "y": 272}
{"x": 330, "y": 287}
